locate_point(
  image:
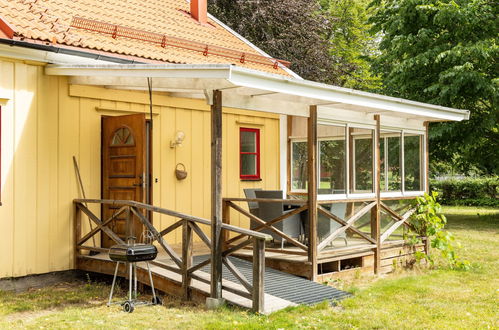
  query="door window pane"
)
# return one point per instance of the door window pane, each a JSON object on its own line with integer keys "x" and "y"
{"x": 122, "y": 137}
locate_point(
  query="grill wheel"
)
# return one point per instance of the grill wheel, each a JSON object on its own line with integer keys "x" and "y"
{"x": 128, "y": 307}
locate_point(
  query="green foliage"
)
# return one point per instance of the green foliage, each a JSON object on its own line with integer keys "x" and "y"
{"x": 292, "y": 30}
{"x": 445, "y": 52}
{"x": 430, "y": 222}
{"x": 350, "y": 42}
{"x": 325, "y": 40}
{"x": 468, "y": 191}
{"x": 332, "y": 156}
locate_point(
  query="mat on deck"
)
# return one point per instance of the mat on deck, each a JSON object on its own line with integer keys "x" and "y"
{"x": 280, "y": 284}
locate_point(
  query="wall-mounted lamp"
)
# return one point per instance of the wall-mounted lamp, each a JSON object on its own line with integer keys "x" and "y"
{"x": 179, "y": 138}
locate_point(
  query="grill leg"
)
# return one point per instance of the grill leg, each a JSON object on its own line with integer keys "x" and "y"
{"x": 130, "y": 275}
{"x": 135, "y": 280}
{"x": 152, "y": 283}
{"x": 114, "y": 282}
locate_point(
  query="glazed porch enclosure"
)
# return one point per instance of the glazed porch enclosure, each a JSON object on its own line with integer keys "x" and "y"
{"x": 350, "y": 163}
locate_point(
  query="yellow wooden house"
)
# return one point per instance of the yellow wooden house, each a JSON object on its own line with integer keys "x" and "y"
{"x": 163, "y": 109}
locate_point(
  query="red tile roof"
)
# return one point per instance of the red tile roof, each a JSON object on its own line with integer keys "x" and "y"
{"x": 50, "y": 21}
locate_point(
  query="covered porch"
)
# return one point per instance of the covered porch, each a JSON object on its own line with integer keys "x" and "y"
{"x": 350, "y": 163}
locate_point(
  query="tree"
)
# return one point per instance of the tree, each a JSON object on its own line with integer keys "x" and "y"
{"x": 292, "y": 30}
{"x": 351, "y": 42}
{"x": 325, "y": 40}
{"x": 445, "y": 52}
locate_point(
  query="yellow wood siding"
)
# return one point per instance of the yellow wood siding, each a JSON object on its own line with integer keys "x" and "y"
{"x": 47, "y": 121}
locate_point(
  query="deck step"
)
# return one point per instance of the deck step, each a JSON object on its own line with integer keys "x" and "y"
{"x": 286, "y": 286}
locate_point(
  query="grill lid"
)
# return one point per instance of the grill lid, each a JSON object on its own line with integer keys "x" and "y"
{"x": 133, "y": 253}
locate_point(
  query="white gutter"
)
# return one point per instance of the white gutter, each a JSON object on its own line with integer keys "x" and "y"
{"x": 37, "y": 52}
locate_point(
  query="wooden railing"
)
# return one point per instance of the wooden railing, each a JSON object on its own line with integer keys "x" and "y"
{"x": 182, "y": 264}
{"x": 230, "y": 203}
{"x": 347, "y": 223}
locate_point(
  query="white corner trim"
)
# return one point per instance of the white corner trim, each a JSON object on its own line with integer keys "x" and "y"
{"x": 246, "y": 41}
{"x": 283, "y": 152}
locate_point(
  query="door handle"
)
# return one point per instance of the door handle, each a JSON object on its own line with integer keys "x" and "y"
{"x": 140, "y": 183}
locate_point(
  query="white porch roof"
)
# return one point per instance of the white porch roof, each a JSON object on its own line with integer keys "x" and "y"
{"x": 253, "y": 90}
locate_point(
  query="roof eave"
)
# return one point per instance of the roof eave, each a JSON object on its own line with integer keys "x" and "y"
{"x": 307, "y": 88}
{"x": 242, "y": 77}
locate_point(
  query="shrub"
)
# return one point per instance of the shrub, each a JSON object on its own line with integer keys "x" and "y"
{"x": 429, "y": 221}
{"x": 468, "y": 191}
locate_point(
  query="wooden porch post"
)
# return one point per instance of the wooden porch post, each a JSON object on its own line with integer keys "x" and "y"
{"x": 312, "y": 190}
{"x": 216, "y": 197}
{"x": 376, "y": 227}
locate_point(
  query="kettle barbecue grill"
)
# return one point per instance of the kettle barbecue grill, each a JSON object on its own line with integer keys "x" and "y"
{"x": 130, "y": 254}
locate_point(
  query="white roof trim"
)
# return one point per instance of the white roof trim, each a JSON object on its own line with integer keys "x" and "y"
{"x": 298, "y": 94}
{"x": 311, "y": 89}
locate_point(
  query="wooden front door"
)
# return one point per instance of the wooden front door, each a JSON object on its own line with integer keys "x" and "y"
{"x": 123, "y": 169}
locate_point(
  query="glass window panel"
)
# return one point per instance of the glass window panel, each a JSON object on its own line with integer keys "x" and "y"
{"x": 393, "y": 170}
{"x": 299, "y": 165}
{"x": 248, "y": 141}
{"x": 248, "y": 164}
{"x": 412, "y": 162}
{"x": 123, "y": 136}
{"x": 362, "y": 160}
{"x": 332, "y": 170}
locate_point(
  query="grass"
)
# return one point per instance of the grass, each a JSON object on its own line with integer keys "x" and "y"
{"x": 416, "y": 299}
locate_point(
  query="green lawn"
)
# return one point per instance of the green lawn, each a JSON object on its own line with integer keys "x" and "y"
{"x": 417, "y": 299}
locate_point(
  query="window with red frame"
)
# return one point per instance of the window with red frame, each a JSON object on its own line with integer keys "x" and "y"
{"x": 249, "y": 153}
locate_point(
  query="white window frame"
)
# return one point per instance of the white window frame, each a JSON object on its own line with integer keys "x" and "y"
{"x": 397, "y": 131}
